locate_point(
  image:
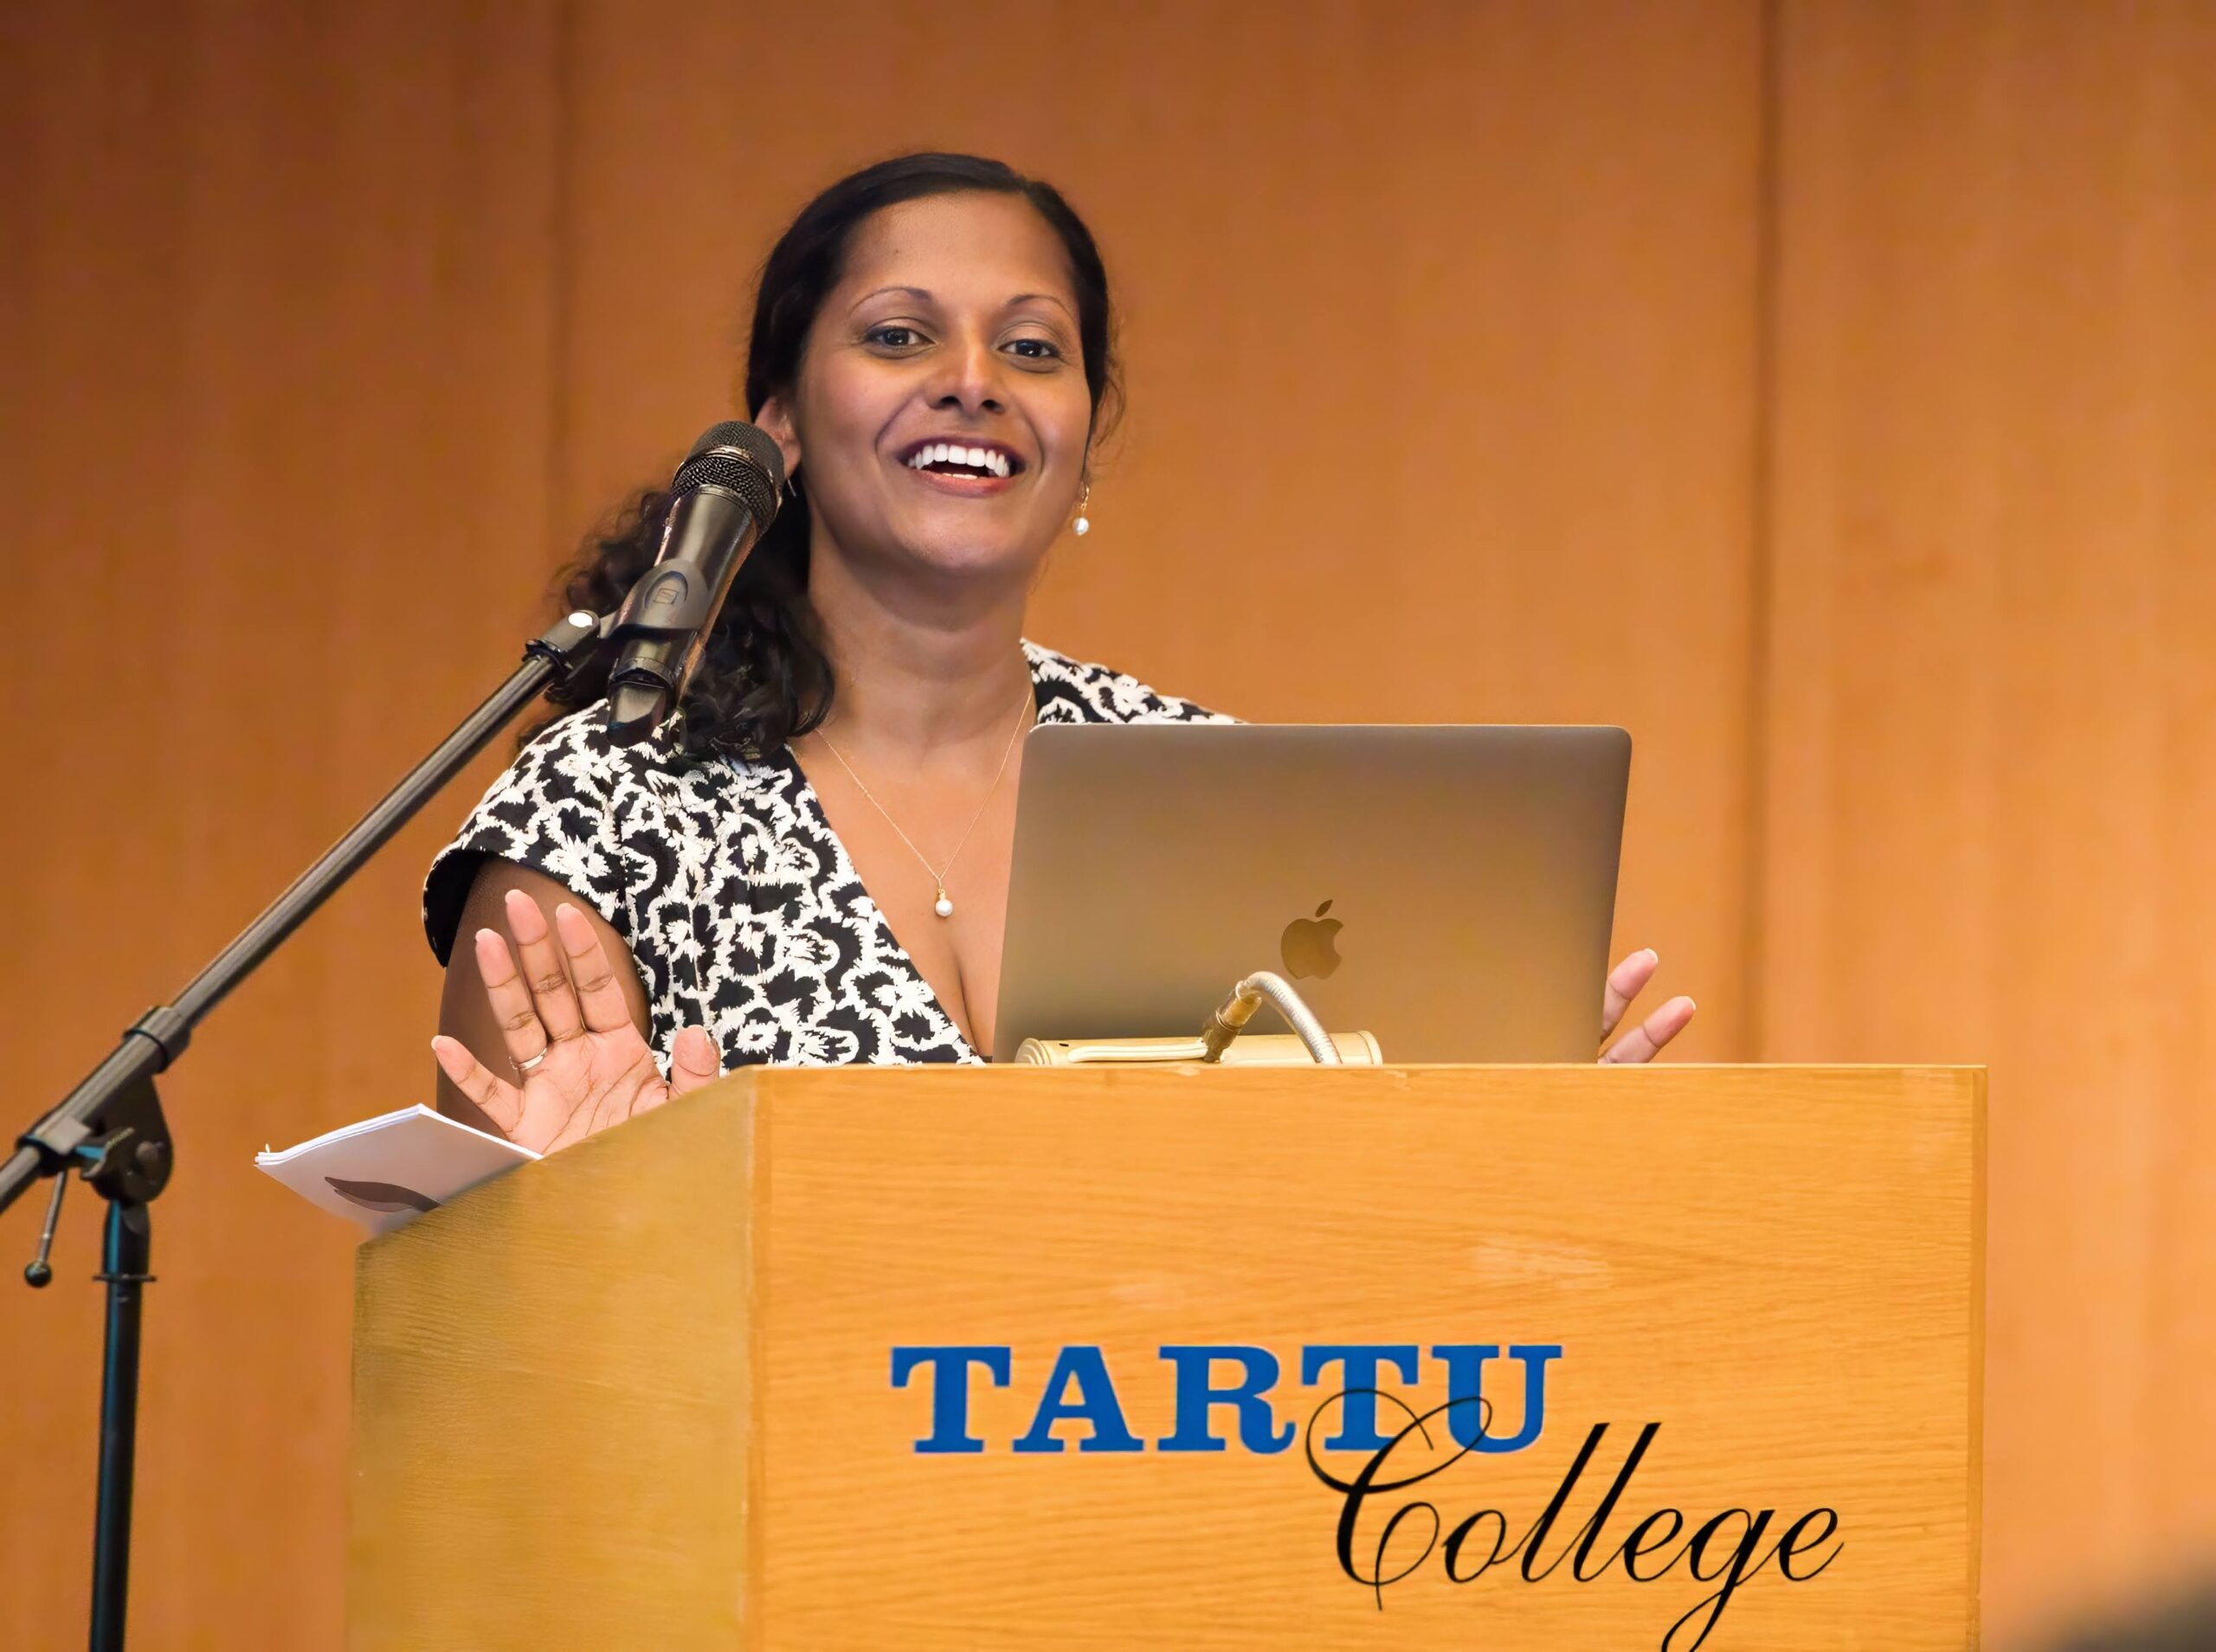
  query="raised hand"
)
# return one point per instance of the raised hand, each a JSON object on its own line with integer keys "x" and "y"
{"x": 1626, "y": 981}
{"x": 580, "y": 1063}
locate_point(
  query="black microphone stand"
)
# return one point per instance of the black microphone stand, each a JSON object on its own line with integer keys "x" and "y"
{"x": 111, "y": 1127}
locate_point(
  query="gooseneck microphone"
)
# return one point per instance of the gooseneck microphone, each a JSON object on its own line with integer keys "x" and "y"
{"x": 726, "y": 495}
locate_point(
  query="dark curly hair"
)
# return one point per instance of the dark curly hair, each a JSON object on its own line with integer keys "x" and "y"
{"x": 764, "y": 677}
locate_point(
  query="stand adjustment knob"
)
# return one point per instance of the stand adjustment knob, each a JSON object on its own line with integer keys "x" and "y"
{"x": 37, "y": 1273}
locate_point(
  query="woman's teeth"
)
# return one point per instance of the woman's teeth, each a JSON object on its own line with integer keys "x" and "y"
{"x": 983, "y": 461}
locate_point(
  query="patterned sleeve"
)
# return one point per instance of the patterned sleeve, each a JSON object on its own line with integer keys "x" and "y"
{"x": 553, "y": 811}
{"x": 1071, "y": 690}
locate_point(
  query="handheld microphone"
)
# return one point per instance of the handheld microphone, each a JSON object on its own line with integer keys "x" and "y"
{"x": 726, "y": 495}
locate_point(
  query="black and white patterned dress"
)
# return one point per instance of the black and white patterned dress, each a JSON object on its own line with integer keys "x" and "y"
{"x": 737, "y": 898}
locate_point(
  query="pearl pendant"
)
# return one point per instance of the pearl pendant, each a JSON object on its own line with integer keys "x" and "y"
{"x": 944, "y": 907}
{"x": 1081, "y": 527}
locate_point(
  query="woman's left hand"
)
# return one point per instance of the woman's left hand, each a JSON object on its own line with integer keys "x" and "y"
{"x": 1626, "y": 981}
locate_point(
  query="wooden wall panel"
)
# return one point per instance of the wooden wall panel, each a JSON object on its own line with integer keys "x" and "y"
{"x": 1989, "y": 754}
{"x": 277, "y": 306}
{"x": 1439, "y": 347}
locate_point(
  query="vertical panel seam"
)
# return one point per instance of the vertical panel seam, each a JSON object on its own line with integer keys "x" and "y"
{"x": 560, "y": 291}
{"x": 1762, "y": 517}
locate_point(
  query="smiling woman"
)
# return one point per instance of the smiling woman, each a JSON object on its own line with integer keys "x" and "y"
{"x": 819, "y": 872}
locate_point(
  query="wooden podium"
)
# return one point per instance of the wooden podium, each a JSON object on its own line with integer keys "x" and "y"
{"x": 1543, "y": 1357}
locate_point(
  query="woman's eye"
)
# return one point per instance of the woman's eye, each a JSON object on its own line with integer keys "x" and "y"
{"x": 1037, "y": 350}
{"x": 894, "y": 337}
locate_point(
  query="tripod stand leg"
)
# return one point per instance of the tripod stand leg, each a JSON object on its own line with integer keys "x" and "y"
{"x": 127, "y": 1253}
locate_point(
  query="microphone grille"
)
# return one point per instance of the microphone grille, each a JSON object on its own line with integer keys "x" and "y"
{"x": 740, "y": 457}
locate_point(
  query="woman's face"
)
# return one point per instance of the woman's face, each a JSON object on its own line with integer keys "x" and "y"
{"x": 954, "y": 327}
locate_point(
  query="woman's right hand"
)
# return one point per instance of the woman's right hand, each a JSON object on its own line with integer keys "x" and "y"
{"x": 580, "y": 1064}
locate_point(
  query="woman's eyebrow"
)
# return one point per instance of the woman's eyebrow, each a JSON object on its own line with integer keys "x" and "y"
{"x": 919, "y": 293}
{"x": 922, "y": 295}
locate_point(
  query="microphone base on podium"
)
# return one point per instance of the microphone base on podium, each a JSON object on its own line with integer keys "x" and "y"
{"x": 1255, "y": 1050}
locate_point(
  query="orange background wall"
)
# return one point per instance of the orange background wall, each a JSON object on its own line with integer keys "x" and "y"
{"x": 1821, "y": 388}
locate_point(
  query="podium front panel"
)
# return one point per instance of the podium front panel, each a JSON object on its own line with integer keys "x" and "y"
{"x": 1725, "y": 1318}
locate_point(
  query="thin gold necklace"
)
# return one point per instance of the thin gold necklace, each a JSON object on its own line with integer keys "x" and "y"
{"x": 944, "y": 906}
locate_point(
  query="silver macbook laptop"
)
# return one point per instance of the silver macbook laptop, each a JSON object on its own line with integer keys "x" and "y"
{"x": 1449, "y": 889}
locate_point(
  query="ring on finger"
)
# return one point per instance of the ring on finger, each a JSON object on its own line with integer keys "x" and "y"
{"x": 525, "y": 1066}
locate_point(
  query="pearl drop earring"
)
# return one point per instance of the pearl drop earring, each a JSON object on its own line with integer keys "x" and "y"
{"x": 1082, "y": 526}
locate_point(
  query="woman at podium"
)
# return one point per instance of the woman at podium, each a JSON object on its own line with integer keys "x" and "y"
{"x": 818, "y": 872}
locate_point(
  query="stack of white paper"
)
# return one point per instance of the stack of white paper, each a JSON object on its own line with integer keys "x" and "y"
{"x": 384, "y": 1171}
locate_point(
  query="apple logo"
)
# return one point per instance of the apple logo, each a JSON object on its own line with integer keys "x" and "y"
{"x": 1309, "y": 946}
